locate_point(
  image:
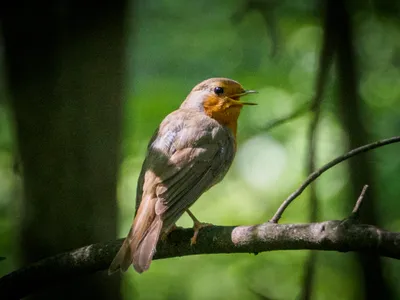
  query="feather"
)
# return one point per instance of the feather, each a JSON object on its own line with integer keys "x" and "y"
{"x": 147, "y": 247}
{"x": 195, "y": 153}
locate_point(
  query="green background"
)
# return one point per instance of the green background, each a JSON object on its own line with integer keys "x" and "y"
{"x": 173, "y": 45}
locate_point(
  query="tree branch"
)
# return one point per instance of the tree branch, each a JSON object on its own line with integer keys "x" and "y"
{"x": 291, "y": 116}
{"x": 329, "y": 236}
{"x": 326, "y": 167}
{"x": 356, "y": 209}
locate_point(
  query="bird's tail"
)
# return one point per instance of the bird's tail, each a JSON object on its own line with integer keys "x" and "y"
{"x": 140, "y": 244}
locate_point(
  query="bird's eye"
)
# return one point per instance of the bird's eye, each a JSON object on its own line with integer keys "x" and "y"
{"x": 219, "y": 90}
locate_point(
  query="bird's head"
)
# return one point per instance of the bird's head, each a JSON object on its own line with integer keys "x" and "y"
{"x": 219, "y": 98}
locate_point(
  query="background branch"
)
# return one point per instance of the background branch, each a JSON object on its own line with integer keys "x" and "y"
{"x": 325, "y": 62}
{"x": 293, "y": 115}
{"x": 351, "y": 109}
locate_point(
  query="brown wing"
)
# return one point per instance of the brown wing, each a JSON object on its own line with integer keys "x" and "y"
{"x": 190, "y": 157}
{"x": 187, "y": 155}
{"x": 203, "y": 166}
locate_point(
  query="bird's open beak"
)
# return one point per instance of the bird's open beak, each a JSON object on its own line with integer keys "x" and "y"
{"x": 245, "y": 93}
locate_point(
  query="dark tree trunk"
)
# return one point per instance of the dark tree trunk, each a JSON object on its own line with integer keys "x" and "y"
{"x": 375, "y": 286}
{"x": 65, "y": 67}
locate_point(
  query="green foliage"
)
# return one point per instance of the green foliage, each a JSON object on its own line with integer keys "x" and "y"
{"x": 179, "y": 43}
{"x": 174, "y": 50}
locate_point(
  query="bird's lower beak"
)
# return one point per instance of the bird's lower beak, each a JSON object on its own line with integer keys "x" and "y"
{"x": 245, "y": 93}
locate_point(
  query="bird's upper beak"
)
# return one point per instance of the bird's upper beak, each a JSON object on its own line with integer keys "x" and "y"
{"x": 246, "y": 92}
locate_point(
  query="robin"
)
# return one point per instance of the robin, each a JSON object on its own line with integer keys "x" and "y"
{"x": 191, "y": 151}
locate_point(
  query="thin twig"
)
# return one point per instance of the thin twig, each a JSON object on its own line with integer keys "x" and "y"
{"x": 309, "y": 275}
{"x": 360, "y": 199}
{"x": 312, "y": 133}
{"x": 259, "y": 295}
{"x": 325, "y": 62}
{"x": 326, "y": 167}
{"x": 267, "y": 11}
{"x": 293, "y": 115}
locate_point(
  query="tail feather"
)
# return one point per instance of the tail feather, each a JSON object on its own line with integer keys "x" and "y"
{"x": 145, "y": 251}
{"x": 138, "y": 248}
{"x": 122, "y": 260}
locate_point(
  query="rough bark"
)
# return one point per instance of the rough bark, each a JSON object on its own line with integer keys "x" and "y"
{"x": 341, "y": 236}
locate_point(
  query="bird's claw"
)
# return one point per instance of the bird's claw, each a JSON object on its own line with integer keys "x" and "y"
{"x": 197, "y": 226}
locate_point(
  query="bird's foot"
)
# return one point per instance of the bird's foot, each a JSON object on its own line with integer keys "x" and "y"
{"x": 164, "y": 236}
{"x": 196, "y": 227}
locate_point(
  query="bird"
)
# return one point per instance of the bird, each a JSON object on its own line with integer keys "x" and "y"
{"x": 190, "y": 151}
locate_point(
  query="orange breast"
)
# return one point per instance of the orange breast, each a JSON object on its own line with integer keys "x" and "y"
{"x": 223, "y": 112}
